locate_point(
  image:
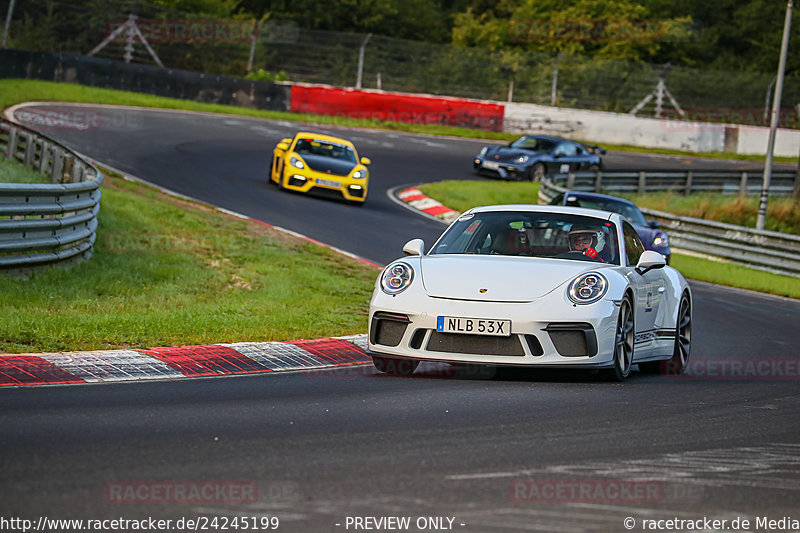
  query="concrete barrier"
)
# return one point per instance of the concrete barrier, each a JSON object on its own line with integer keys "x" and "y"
{"x": 616, "y": 128}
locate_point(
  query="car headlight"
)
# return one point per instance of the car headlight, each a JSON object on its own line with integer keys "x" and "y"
{"x": 396, "y": 278}
{"x": 521, "y": 159}
{"x": 358, "y": 174}
{"x": 297, "y": 163}
{"x": 484, "y": 150}
{"x": 661, "y": 240}
{"x": 588, "y": 288}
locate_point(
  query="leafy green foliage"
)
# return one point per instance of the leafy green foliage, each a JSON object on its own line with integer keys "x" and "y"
{"x": 263, "y": 75}
{"x": 620, "y": 29}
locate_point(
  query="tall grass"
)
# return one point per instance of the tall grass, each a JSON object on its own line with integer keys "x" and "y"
{"x": 783, "y": 213}
{"x": 14, "y": 172}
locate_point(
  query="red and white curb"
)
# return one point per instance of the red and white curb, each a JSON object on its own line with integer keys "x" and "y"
{"x": 182, "y": 362}
{"x": 413, "y": 197}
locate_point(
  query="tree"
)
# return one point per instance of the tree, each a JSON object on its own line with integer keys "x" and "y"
{"x": 621, "y": 29}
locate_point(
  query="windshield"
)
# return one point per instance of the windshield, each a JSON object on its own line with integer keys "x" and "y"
{"x": 531, "y": 234}
{"x": 630, "y": 212}
{"x": 325, "y": 149}
{"x": 534, "y": 144}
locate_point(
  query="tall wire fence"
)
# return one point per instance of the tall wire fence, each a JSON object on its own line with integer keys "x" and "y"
{"x": 234, "y": 47}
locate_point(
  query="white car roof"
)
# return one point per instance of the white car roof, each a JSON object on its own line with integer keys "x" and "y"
{"x": 563, "y": 209}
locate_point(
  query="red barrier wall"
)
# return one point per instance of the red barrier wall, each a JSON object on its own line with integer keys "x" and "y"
{"x": 408, "y": 108}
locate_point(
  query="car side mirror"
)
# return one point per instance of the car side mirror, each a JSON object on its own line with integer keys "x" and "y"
{"x": 559, "y": 154}
{"x": 414, "y": 247}
{"x": 366, "y": 161}
{"x": 650, "y": 260}
{"x": 654, "y": 224}
{"x": 283, "y": 146}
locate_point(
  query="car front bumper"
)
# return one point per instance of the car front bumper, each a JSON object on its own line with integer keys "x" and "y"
{"x": 575, "y": 336}
{"x": 503, "y": 169}
{"x": 307, "y": 180}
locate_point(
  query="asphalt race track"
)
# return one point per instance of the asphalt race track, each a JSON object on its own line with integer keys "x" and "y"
{"x": 489, "y": 450}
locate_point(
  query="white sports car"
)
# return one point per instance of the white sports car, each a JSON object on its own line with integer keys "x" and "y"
{"x": 529, "y": 285}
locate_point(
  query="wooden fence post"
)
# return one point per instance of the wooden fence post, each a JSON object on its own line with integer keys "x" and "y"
{"x": 12, "y": 143}
{"x": 743, "y": 184}
{"x": 66, "y": 170}
{"x": 796, "y": 193}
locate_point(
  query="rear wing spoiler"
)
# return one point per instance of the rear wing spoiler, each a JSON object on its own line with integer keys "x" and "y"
{"x": 595, "y": 149}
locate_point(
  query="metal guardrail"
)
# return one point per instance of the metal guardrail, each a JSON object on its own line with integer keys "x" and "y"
{"x": 764, "y": 250}
{"x": 44, "y": 224}
{"x": 782, "y": 182}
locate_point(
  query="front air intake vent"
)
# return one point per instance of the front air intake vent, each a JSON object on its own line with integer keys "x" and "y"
{"x": 388, "y": 329}
{"x": 573, "y": 339}
{"x": 475, "y": 344}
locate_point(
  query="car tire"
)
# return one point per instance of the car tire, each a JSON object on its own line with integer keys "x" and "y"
{"x": 398, "y": 367}
{"x": 270, "y": 179}
{"x": 624, "y": 336}
{"x": 679, "y": 361}
{"x": 537, "y": 172}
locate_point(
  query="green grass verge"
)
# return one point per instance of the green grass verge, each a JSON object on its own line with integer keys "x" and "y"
{"x": 15, "y": 172}
{"x": 732, "y": 275}
{"x": 15, "y": 91}
{"x": 461, "y": 195}
{"x": 783, "y": 213}
{"x": 168, "y": 272}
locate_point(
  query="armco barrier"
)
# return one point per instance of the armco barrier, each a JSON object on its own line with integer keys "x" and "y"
{"x": 46, "y": 223}
{"x": 764, "y": 250}
{"x": 783, "y": 182}
{"x": 397, "y": 107}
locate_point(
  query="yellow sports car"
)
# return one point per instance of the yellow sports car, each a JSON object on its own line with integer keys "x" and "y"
{"x": 313, "y": 162}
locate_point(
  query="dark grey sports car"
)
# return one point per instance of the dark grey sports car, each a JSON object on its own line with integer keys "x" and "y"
{"x": 532, "y": 157}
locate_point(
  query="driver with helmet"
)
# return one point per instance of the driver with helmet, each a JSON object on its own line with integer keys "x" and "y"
{"x": 585, "y": 240}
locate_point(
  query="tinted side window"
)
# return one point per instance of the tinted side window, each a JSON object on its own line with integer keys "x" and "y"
{"x": 633, "y": 244}
{"x": 567, "y": 149}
